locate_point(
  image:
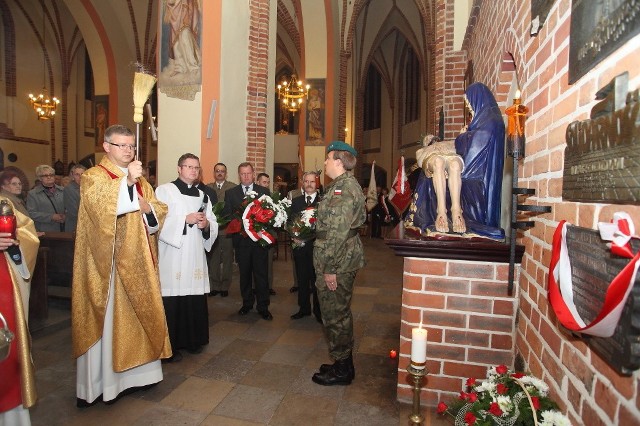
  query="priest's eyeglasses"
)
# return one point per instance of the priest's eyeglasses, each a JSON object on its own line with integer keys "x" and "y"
{"x": 123, "y": 146}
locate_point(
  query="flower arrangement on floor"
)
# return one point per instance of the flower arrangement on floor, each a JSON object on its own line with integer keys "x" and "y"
{"x": 505, "y": 399}
{"x": 258, "y": 218}
{"x": 303, "y": 227}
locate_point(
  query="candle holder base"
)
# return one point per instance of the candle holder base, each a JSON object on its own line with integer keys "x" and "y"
{"x": 416, "y": 417}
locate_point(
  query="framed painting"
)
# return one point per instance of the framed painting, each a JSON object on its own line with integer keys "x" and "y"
{"x": 180, "y": 44}
{"x": 101, "y": 117}
{"x": 315, "y": 113}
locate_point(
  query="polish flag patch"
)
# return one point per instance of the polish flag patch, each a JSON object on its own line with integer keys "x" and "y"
{"x": 337, "y": 192}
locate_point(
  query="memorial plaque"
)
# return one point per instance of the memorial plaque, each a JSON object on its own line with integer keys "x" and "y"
{"x": 598, "y": 28}
{"x": 602, "y": 157}
{"x": 539, "y": 12}
{"x": 593, "y": 267}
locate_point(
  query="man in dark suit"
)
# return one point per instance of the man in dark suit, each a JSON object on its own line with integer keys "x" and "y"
{"x": 303, "y": 254}
{"x": 252, "y": 258}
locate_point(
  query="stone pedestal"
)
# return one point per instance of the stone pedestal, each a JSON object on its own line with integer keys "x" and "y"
{"x": 457, "y": 290}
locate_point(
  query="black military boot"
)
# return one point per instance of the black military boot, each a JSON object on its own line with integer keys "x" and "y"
{"x": 325, "y": 367}
{"x": 341, "y": 372}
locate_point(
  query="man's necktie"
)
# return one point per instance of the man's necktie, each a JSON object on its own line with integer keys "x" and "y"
{"x": 308, "y": 200}
{"x": 219, "y": 186}
{"x": 246, "y": 189}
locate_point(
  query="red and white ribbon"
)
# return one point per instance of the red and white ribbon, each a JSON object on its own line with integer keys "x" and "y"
{"x": 561, "y": 286}
{"x": 248, "y": 224}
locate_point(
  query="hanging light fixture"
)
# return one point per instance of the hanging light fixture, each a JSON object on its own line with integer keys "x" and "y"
{"x": 44, "y": 106}
{"x": 292, "y": 93}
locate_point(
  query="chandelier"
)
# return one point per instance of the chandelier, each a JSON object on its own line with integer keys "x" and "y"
{"x": 44, "y": 106}
{"x": 292, "y": 92}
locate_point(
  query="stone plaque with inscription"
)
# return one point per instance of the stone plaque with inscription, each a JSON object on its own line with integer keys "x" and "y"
{"x": 602, "y": 157}
{"x": 598, "y": 28}
{"x": 593, "y": 267}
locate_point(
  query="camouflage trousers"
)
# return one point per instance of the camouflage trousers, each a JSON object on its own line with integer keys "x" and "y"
{"x": 336, "y": 314}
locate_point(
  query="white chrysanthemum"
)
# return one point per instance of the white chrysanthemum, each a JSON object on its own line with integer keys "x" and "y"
{"x": 554, "y": 418}
{"x": 505, "y": 403}
{"x": 542, "y": 387}
{"x": 486, "y": 386}
{"x": 252, "y": 194}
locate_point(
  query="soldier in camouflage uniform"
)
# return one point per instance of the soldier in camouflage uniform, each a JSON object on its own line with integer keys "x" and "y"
{"x": 337, "y": 256}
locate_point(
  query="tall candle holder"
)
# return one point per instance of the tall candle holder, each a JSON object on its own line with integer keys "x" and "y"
{"x": 417, "y": 374}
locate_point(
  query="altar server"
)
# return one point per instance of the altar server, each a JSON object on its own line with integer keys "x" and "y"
{"x": 189, "y": 230}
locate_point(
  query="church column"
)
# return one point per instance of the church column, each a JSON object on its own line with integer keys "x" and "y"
{"x": 450, "y": 66}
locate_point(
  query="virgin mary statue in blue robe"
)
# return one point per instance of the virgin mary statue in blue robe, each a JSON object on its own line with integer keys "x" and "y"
{"x": 482, "y": 150}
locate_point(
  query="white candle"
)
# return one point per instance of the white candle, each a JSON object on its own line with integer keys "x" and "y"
{"x": 418, "y": 348}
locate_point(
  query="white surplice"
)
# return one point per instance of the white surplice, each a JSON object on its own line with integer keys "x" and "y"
{"x": 95, "y": 374}
{"x": 181, "y": 257}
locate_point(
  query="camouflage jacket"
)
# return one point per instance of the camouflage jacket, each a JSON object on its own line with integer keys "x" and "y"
{"x": 341, "y": 212}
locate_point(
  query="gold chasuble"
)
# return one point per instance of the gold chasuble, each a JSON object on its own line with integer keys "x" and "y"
{"x": 29, "y": 243}
{"x": 106, "y": 244}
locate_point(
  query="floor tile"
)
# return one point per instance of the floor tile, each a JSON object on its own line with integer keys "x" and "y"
{"x": 249, "y": 403}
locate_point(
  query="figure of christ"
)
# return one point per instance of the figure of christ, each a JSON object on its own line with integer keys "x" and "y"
{"x": 441, "y": 163}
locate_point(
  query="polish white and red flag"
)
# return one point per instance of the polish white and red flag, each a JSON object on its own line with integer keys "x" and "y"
{"x": 400, "y": 194}
{"x": 561, "y": 294}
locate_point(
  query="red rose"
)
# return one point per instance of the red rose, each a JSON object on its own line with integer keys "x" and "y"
{"x": 469, "y": 418}
{"x": 536, "y": 402}
{"x": 494, "y": 409}
{"x": 442, "y": 407}
{"x": 312, "y": 220}
{"x": 517, "y": 375}
{"x": 472, "y": 397}
{"x": 502, "y": 388}
{"x": 463, "y": 395}
{"x": 263, "y": 215}
{"x": 471, "y": 381}
{"x": 501, "y": 369}
{"x": 234, "y": 226}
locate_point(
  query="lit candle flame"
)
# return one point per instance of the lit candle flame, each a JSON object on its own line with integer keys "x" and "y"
{"x": 517, "y": 96}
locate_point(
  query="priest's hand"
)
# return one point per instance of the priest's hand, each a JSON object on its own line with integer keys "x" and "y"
{"x": 194, "y": 218}
{"x": 144, "y": 204}
{"x": 6, "y": 241}
{"x": 135, "y": 171}
{"x": 203, "y": 223}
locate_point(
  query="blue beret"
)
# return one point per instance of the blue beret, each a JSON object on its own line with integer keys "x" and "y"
{"x": 341, "y": 146}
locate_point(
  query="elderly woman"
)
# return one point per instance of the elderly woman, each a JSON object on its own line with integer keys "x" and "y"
{"x": 45, "y": 202}
{"x": 12, "y": 189}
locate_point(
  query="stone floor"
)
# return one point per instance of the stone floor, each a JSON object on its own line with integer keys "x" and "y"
{"x": 253, "y": 372}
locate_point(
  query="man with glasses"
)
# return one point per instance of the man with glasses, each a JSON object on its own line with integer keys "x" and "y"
{"x": 251, "y": 257}
{"x": 118, "y": 324}
{"x": 221, "y": 255}
{"x": 72, "y": 198}
{"x": 45, "y": 202}
{"x": 188, "y": 232}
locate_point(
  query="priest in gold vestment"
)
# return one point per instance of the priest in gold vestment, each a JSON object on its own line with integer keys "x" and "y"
{"x": 118, "y": 323}
{"x": 17, "y": 379}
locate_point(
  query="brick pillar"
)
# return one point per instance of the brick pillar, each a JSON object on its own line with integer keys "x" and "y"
{"x": 258, "y": 83}
{"x": 470, "y": 321}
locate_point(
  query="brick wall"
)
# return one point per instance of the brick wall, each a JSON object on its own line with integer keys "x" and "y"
{"x": 587, "y": 389}
{"x": 470, "y": 320}
{"x": 448, "y": 78}
{"x": 258, "y": 83}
